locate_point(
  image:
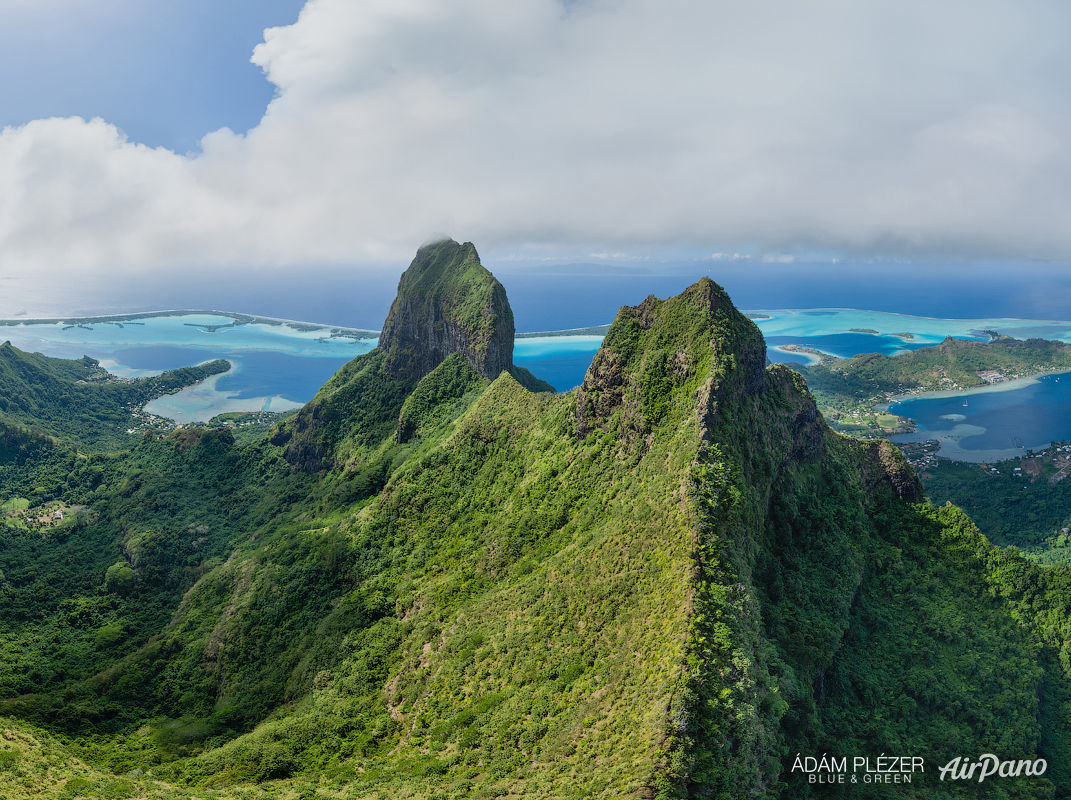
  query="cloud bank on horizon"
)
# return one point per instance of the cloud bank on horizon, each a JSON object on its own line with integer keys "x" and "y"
{"x": 628, "y": 126}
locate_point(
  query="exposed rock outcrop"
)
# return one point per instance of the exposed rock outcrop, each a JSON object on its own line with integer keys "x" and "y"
{"x": 660, "y": 344}
{"x": 448, "y": 303}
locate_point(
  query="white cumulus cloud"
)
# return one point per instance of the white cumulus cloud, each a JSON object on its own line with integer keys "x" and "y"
{"x": 614, "y": 125}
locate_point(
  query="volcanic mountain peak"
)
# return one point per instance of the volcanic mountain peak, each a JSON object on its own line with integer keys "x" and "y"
{"x": 448, "y": 303}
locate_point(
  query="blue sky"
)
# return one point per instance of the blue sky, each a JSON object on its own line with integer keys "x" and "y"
{"x": 164, "y": 137}
{"x": 166, "y": 72}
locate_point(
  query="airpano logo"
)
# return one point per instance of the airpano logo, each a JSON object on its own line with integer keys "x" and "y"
{"x": 988, "y": 765}
{"x": 905, "y": 769}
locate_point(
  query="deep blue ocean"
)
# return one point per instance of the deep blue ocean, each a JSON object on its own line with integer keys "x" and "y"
{"x": 563, "y": 371}
{"x": 573, "y": 299}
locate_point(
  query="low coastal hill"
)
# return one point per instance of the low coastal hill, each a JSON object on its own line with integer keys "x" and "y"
{"x": 79, "y": 402}
{"x": 952, "y": 364}
{"x": 847, "y": 389}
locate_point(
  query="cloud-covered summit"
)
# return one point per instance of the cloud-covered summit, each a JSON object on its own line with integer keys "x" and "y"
{"x": 620, "y": 125}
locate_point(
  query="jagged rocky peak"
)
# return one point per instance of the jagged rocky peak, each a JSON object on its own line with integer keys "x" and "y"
{"x": 448, "y": 303}
{"x": 653, "y": 349}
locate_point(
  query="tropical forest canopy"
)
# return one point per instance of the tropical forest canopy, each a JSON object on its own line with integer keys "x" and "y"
{"x": 667, "y": 583}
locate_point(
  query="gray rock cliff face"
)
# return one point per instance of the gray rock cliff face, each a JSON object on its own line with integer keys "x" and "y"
{"x": 448, "y": 303}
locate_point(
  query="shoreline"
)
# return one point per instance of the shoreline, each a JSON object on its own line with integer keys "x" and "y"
{"x": 814, "y": 356}
{"x": 898, "y": 314}
{"x": 949, "y": 440}
{"x": 242, "y": 318}
{"x": 990, "y": 388}
{"x": 214, "y": 401}
{"x": 950, "y": 448}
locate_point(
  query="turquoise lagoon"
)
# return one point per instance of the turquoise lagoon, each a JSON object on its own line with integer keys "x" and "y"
{"x": 830, "y": 331}
{"x": 986, "y": 424}
{"x": 275, "y": 365}
{"x": 561, "y": 361}
{"x": 279, "y": 365}
{"x": 825, "y": 321}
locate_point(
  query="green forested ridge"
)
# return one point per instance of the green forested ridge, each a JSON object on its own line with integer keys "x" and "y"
{"x": 1010, "y": 508}
{"x": 952, "y": 362}
{"x": 848, "y": 388}
{"x": 665, "y": 584}
{"x": 78, "y": 401}
{"x": 529, "y": 381}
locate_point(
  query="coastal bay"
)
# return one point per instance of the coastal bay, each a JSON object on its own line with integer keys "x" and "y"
{"x": 991, "y": 423}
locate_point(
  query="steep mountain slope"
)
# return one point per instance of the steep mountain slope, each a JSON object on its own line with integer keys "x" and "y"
{"x": 666, "y": 584}
{"x": 447, "y": 306}
{"x": 448, "y": 303}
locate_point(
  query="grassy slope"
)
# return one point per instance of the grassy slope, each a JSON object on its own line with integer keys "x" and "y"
{"x": 518, "y": 626}
{"x": 588, "y": 616}
{"x": 665, "y": 584}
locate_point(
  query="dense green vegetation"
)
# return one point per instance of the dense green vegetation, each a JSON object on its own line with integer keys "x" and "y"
{"x": 249, "y": 426}
{"x": 529, "y": 381}
{"x": 78, "y": 401}
{"x": 848, "y": 388}
{"x": 152, "y": 521}
{"x": 955, "y": 363}
{"x": 666, "y": 584}
{"x": 1010, "y": 507}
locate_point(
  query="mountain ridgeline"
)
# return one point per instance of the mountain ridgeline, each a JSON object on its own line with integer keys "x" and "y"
{"x": 449, "y": 329}
{"x": 435, "y": 582}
